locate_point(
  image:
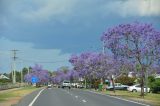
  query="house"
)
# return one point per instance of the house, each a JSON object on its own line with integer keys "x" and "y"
{"x": 157, "y": 76}
{"x": 3, "y": 76}
{"x": 132, "y": 74}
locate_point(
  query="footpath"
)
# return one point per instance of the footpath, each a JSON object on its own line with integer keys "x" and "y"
{"x": 8, "y": 90}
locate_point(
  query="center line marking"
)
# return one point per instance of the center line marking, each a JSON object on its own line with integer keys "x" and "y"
{"x": 84, "y": 101}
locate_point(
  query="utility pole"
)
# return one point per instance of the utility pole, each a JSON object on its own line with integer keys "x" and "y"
{"x": 29, "y": 69}
{"x": 21, "y": 76}
{"x": 14, "y": 52}
{"x": 12, "y": 71}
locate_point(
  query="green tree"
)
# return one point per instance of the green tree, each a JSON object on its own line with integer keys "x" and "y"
{"x": 154, "y": 84}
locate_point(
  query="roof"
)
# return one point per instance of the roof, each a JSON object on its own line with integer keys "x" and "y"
{"x": 3, "y": 77}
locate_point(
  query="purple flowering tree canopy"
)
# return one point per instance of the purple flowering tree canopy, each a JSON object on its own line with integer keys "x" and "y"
{"x": 94, "y": 65}
{"x": 137, "y": 42}
{"x": 37, "y": 71}
{"x": 61, "y": 75}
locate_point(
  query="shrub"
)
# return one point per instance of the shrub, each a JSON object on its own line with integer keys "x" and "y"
{"x": 125, "y": 80}
{"x": 154, "y": 84}
{"x": 4, "y": 81}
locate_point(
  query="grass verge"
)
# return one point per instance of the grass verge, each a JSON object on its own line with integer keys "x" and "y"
{"x": 150, "y": 98}
{"x": 12, "y": 97}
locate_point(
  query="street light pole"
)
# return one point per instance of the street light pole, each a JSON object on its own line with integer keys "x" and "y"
{"x": 103, "y": 50}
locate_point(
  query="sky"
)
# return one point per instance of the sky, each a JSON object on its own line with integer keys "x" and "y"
{"x": 48, "y": 32}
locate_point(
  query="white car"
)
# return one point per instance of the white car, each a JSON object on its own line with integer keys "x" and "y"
{"x": 137, "y": 88}
{"x": 66, "y": 84}
{"x": 49, "y": 86}
{"x": 80, "y": 86}
{"x": 118, "y": 86}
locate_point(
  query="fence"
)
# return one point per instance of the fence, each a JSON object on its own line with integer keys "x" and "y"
{"x": 10, "y": 86}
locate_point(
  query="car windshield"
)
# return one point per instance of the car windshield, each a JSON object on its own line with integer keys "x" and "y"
{"x": 66, "y": 82}
{"x": 119, "y": 84}
{"x": 137, "y": 86}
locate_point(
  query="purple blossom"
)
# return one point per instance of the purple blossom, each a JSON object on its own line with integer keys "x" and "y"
{"x": 136, "y": 42}
{"x": 37, "y": 71}
{"x": 93, "y": 65}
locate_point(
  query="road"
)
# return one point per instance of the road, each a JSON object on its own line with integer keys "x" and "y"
{"x": 73, "y": 97}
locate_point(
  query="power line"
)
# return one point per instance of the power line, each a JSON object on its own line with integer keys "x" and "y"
{"x": 37, "y": 61}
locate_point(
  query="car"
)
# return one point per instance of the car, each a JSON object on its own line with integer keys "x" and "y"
{"x": 137, "y": 88}
{"x": 49, "y": 86}
{"x": 74, "y": 85}
{"x": 77, "y": 85}
{"x": 118, "y": 86}
{"x": 66, "y": 84}
{"x": 80, "y": 86}
{"x": 59, "y": 86}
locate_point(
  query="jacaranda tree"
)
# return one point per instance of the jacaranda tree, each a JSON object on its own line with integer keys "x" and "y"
{"x": 137, "y": 42}
{"x": 91, "y": 66}
{"x": 61, "y": 75}
{"x": 42, "y": 75}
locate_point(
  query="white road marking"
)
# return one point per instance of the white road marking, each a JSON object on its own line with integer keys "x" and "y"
{"x": 120, "y": 98}
{"x": 84, "y": 101}
{"x": 35, "y": 98}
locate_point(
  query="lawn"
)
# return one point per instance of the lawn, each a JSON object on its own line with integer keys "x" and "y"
{"x": 15, "y": 95}
{"x": 150, "y": 98}
{"x": 5, "y": 96}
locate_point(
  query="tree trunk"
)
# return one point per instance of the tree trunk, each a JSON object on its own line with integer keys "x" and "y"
{"x": 113, "y": 85}
{"x": 142, "y": 82}
{"x": 85, "y": 83}
{"x": 142, "y": 87}
{"x": 101, "y": 81}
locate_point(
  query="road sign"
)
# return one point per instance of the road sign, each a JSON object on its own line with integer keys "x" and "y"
{"x": 106, "y": 80}
{"x": 34, "y": 79}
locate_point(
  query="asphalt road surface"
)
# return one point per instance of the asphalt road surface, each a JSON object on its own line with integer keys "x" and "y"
{"x": 73, "y": 97}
